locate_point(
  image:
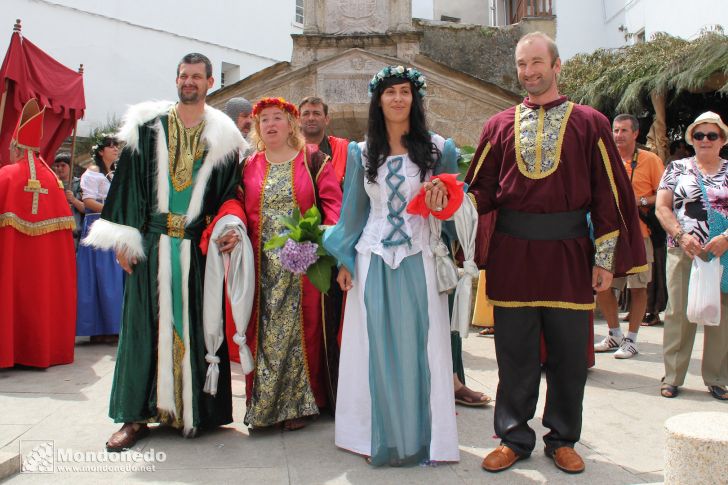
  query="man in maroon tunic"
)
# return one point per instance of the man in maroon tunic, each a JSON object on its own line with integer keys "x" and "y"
{"x": 543, "y": 165}
{"x": 37, "y": 258}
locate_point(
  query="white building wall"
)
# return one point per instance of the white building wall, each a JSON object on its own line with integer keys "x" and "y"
{"x": 684, "y": 18}
{"x": 580, "y": 25}
{"x": 586, "y": 25}
{"x": 423, "y": 9}
{"x": 130, "y": 48}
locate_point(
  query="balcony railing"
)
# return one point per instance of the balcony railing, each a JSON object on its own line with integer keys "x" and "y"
{"x": 531, "y": 8}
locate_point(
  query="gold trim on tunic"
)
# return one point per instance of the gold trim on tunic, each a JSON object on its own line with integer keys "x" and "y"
{"x": 185, "y": 146}
{"x": 638, "y": 269}
{"x": 539, "y": 136}
{"x": 610, "y": 175}
{"x": 543, "y": 303}
{"x": 472, "y": 199}
{"x": 480, "y": 162}
{"x": 10, "y": 219}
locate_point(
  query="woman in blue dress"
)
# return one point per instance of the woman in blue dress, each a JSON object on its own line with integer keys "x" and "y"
{"x": 100, "y": 278}
{"x": 395, "y": 396}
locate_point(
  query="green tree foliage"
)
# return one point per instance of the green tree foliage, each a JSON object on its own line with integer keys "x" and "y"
{"x": 621, "y": 80}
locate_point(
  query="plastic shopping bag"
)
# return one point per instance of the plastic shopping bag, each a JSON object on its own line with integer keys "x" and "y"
{"x": 704, "y": 292}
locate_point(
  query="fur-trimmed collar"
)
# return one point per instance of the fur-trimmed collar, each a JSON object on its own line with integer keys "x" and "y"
{"x": 220, "y": 134}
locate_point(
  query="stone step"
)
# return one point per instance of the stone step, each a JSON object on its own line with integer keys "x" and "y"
{"x": 9, "y": 463}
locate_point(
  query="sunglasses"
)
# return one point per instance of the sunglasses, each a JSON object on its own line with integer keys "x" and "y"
{"x": 699, "y": 135}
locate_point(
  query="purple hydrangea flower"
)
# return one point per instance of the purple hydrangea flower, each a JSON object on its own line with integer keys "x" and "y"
{"x": 296, "y": 257}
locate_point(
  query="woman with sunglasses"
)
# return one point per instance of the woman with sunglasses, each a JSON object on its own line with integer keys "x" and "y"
{"x": 682, "y": 209}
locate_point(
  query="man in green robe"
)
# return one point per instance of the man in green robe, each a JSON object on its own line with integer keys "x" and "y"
{"x": 178, "y": 167}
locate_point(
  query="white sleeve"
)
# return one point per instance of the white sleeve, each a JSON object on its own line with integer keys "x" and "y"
{"x": 90, "y": 185}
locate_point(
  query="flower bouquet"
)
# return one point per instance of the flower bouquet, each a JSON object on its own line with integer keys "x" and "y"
{"x": 300, "y": 248}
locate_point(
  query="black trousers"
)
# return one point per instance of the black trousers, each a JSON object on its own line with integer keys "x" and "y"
{"x": 517, "y": 344}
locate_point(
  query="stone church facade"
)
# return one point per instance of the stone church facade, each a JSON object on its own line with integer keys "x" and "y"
{"x": 345, "y": 42}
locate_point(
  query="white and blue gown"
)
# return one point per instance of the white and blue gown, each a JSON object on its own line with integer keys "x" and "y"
{"x": 100, "y": 278}
{"x": 395, "y": 396}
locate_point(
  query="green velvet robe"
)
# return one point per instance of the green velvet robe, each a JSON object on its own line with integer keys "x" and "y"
{"x": 138, "y": 198}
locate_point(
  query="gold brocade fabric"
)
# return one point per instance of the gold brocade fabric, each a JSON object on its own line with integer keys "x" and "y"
{"x": 539, "y": 135}
{"x": 281, "y": 384}
{"x": 185, "y": 146}
{"x": 164, "y": 417}
{"x": 10, "y": 219}
{"x": 606, "y": 247}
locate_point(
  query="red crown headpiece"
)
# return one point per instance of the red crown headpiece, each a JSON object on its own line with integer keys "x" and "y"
{"x": 29, "y": 129}
{"x": 277, "y": 103}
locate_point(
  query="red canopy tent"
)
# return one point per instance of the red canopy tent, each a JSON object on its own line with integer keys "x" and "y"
{"x": 28, "y": 72}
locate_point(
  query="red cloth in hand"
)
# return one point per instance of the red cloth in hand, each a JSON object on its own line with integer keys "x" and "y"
{"x": 455, "y": 196}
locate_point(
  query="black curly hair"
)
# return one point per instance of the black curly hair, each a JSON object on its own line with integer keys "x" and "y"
{"x": 418, "y": 141}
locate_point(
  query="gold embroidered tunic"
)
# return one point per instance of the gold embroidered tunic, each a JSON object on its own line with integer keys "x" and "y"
{"x": 559, "y": 157}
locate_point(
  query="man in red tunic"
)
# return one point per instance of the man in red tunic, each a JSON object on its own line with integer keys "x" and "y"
{"x": 543, "y": 165}
{"x": 314, "y": 123}
{"x": 38, "y": 276}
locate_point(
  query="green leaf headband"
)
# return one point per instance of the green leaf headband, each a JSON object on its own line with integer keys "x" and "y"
{"x": 408, "y": 73}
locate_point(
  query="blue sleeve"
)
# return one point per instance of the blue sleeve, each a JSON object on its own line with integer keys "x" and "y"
{"x": 448, "y": 164}
{"x": 340, "y": 240}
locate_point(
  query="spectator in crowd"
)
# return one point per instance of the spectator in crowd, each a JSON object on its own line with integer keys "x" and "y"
{"x": 644, "y": 170}
{"x": 100, "y": 278}
{"x": 72, "y": 185}
{"x": 239, "y": 110}
{"x": 690, "y": 189}
{"x": 314, "y": 126}
{"x": 678, "y": 151}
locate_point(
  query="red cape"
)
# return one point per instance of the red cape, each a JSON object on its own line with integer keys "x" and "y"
{"x": 38, "y": 277}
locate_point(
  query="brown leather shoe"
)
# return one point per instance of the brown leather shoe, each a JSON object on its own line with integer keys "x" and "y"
{"x": 126, "y": 437}
{"x": 500, "y": 459}
{"x": 566, "y": 459}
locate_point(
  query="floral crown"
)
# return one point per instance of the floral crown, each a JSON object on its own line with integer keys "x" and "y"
{"x": 275, "y": 102}
{"x": 104, "y": 140}
{"x": 408, "y": 73}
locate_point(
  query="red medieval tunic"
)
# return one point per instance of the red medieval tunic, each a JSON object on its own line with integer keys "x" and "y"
{"x": 559, "y": 157}
{"x": 37, "y": 267}
{"x": 339, "y": 152}
{"x": 328, "y": 191}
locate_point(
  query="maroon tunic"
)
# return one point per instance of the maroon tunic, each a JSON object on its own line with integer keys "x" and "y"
{"x": 559, "y": 157}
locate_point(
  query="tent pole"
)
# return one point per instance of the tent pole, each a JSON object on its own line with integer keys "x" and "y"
{"x": 73, "y": 140}
{"x": 16, "y": 28}
{"x": 73, "y": 154}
